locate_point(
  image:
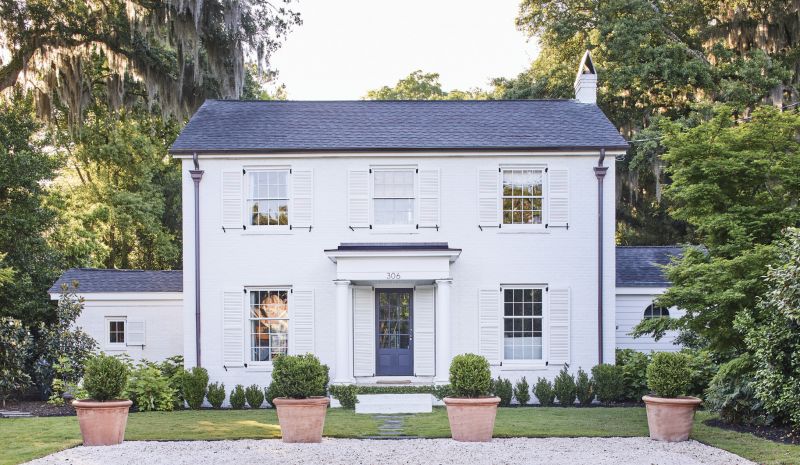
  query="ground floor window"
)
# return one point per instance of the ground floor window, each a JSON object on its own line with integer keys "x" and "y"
{"x": 116, "y": 331}
{"x": 523, "y": 319}
{"x": 269, "y": 324}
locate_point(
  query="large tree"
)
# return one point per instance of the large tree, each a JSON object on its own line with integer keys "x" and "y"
{"x": 182, "y": 51}
{"x": 420, "y": 85}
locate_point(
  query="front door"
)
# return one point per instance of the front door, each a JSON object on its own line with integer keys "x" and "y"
{"x": 394, "y": 341}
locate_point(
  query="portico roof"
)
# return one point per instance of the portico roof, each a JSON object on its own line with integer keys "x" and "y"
{"x": 393, "y": 249}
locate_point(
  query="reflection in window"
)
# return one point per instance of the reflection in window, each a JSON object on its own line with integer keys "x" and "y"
{"x": 394, "y": 319}
{"x": 522, "y": 324}
{"x": 653, "y": 311}
{"x": 269, "y": 324}
{"x": 268, "y": 198}
{"x": 522, "y": 196}
{"x": 393, "y": 197}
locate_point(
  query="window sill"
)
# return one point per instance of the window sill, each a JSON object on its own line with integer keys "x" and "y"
{"x": 507, "y": 229}
{"x": 523, "y": 366}
{"x": 117, "y": 348}
{"x": 265, "y": 368}
{"x": 389, "y": 230}
{"x": 251, "y": 231}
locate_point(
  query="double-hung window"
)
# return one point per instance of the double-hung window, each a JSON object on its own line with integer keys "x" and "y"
{"x": 394, "y": 196}
{"x": 268, "y": 316}
{"x": 522, "y": 196}
{"x": 523, "y": 323}
{"x": 268, "y": 198}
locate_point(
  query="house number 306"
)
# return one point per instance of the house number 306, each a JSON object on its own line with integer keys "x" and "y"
{"x": 392, "y": 275}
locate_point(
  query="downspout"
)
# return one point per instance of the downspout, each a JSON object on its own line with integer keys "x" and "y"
{"x": 197, "y": 175}
{"x": 600, "y": 173}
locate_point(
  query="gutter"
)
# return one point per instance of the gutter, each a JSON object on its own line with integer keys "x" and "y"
{"x": 197, "y": 175}
{"x": 600, "y": 174}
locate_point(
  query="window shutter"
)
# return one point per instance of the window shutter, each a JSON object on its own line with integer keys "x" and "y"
{"x": 302, "y": 198}
{"x": 559, "y": 326}
{"x": 302, "y": 321}
{"x": 358, "y": 198}
{"x": 424, "y": 349}
{"x": 429, "y": 198}
{"x": 489, "y": 324}
{"x": 232, "y": 206}
{"x": 488, "y": 197}
{"x": 363, "y": 331}
{"x": 233, "y": 328}
{"x": 558, "y": 198}
{"x": 135, "y": 333}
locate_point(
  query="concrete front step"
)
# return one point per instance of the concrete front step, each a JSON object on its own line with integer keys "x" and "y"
{"x": 394, "y": 403}
{"x": 14, "y": 414}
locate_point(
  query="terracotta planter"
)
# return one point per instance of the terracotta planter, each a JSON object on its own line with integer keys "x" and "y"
{"x": 301, "y": 420}
{"x": 471, "y": 420}
{"x": 670, "y": 419}
{"x": 102, "y": 423}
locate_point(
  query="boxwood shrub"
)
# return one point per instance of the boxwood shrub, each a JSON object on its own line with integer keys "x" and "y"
{"x": 470, "y": 376}
{"x": 543, "y": 390}
{"x": 105, "y": 377}
{"x": 216, "y": 394}
{"x": 522, "y": 391}
{"x": 254, "y": 396}
{"x": 195, "y": 386}
{"x": 584, "y": 388}
{"x": 608, "y": 382}
{"x": 669, "y": 374}
{"x": 347, "y": 395}
{"x": 564, "y": 387}
{"x": 503, "y": 390}
{"x": 298, "y": 377}
{"x": 238, "y": 397}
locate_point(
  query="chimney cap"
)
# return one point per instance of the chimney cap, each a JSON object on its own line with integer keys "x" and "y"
{"x": 586, "y": 80}
{"x": 586, "y": 66}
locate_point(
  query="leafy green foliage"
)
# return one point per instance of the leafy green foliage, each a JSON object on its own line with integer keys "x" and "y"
{"x": 216, "y": 394}
{"x": 347, "y": 395}
{"x": 584, "y": 388}
{"x": 703, "y": 368}
{"x": 150, "y": 390}
{"x": 299, "y": 377}
{"x": 543, "y": 390}
{"x": 105, "y": 377}
{"x": 634, "y": 373}
{"x": 172, "y": 369}
{"x": 732, "y": 394}
{"x": 238, "y": 397}
{"x": 773, "y": 336}
{"x": 609, "y": 382}
{"x": 64, "y": 381}
{"x": 195, "y": 386}
{"x": 15, "y": 343}
{"x": 522, "y": 391}
{"x": 470, "y": 376}
{"x": 503, "y": 389}
{"x": 420, "y": 85}
{"x": 564, "y": 387}
{"x": 669, "y": 374}
{"x": 254, "y": 396}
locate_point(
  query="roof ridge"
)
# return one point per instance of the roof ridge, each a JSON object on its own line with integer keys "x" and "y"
{"x": 395, "y": 100}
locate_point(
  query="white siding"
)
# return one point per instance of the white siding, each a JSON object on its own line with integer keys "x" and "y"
{"x": 631, "y": 303}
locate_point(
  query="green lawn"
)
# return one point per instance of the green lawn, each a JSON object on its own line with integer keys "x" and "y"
{"x": 27, "y": 438}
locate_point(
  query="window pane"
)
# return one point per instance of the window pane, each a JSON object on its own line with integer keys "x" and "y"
{"x": 522, "y": 196}
{"x": 522, "y": 325}
{"x": 269, "y": 324}
{"x": 394, "y": 211}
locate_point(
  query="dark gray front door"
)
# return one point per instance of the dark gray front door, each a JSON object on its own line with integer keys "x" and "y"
{"x": 394, "y": 341}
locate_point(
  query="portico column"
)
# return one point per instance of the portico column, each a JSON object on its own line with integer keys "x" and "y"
{"x": 343, "y": 365}
{"x": 443, "y": 330}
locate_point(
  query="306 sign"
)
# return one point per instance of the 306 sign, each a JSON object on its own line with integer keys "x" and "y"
{"x": 393, "y": 276}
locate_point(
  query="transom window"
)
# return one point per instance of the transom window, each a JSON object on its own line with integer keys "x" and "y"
{"x": 268, "y": 198}
{"x": 393, "y": 196}
{"x": 522, "y": 324}
{"x": 269, "y": 324}
{"x": 654, "y": 311}
{"x": 522, "y": 196}
{"x": 116, "y": 331}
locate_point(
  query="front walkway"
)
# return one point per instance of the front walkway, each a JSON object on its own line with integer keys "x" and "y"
{"x": 519, "y": 451}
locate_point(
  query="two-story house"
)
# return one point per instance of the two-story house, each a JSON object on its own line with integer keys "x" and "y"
{"x": 388, "y": 236}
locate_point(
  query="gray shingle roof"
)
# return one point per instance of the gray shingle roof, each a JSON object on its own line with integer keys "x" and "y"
{"x": 366, "y": 246}
{"x": 297, "y": 126}
{"x": 641, "y": 266}
{"x": 97, "y": 280}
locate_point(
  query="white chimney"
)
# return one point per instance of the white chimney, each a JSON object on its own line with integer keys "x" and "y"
{"x": 586, "y": 81}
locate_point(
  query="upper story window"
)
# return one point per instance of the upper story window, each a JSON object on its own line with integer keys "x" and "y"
{"x": 268, "y": 197}
{"x": 522, "y": 196}
{"x": 523, "y": 322}
{"x": 116, "y": 331}
{"x": 653, "y": 311}
{"x": 269, "y": 324}
{"x": 393, "y": 196}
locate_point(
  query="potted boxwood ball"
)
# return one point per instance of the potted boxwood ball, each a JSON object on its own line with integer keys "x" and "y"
{"x": 301, "y": 385}
{"x": 471, "y": 409}
{"x": 103, "y": 417}
{"x": 670, "y": 412}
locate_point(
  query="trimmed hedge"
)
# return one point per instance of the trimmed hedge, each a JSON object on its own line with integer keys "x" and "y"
{"x": 238, "y": 397}
{"x": 105, "y": 377}
{"x": 669, "y": 374}
{"x": 470, "y": 376}
{"x": 298, "y": 377}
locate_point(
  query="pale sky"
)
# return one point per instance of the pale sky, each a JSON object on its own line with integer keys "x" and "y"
{"x": 346, "y": 47}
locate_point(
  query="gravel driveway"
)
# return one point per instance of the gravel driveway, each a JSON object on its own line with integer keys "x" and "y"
{"x": 518, "y": 451}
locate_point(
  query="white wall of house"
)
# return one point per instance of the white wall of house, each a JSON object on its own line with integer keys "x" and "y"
{"x": 556, "y": 258}
{"x": 152, "y": 323}
{"x": 631, "y": 305}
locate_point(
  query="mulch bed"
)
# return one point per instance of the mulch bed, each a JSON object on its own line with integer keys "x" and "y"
{"x": 780, "y": 434}
{"x": 40, "y": 408}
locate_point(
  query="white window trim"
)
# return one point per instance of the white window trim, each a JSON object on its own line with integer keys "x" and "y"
{"x": 107, "y": 344}
{"x": 523, "y": 228}
{"x": 393, "y": 229}
{"x": 532, "y": 364}
{"x": 265, "y": 365}
{"x": 266, "y": 229}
